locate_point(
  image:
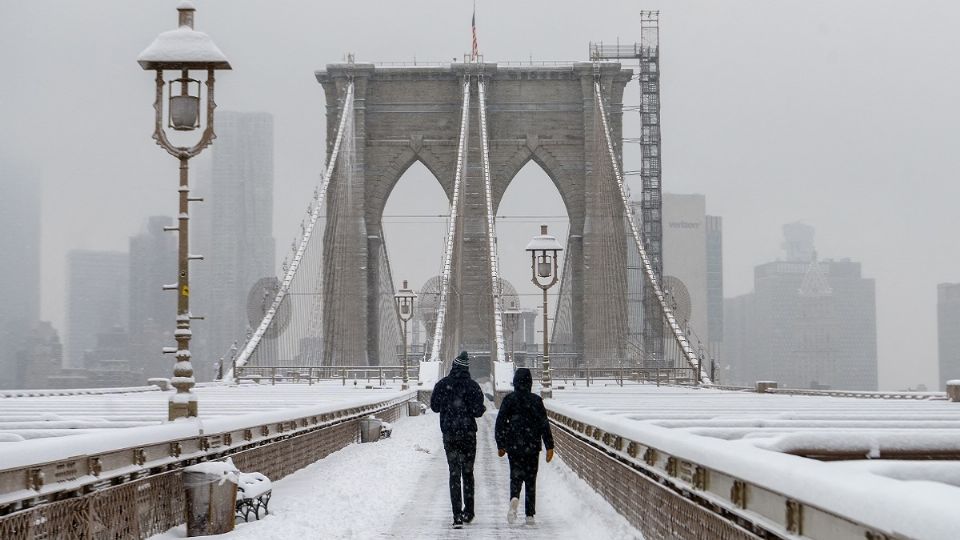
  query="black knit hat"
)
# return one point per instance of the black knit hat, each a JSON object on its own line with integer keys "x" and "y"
{"x": 462, "y": 359}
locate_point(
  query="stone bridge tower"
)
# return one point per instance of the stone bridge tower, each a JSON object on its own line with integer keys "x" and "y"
{"x": 542, "y": 113}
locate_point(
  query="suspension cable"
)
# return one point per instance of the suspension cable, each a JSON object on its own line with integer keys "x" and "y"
{"x": 681, "y": 340}
{"x": 491, "y": 228}
{"x": 451, "y": 229}
{"x": 317, "y": 204}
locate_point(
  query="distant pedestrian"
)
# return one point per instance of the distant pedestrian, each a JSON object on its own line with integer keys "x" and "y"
{"x": 522, "y": 427}
{"x": 459, "y": 401}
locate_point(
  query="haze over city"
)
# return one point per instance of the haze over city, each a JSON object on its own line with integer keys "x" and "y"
{"x": 839, "y": 115}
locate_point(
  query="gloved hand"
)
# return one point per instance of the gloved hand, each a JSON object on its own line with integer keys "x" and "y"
{"x": 501, "y": 452}
{"x": 549, "y": 454}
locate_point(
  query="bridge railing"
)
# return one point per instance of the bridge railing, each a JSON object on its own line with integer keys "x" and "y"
{"x": 127, "y": 483}
{"x": 678, "y": 485}
{"x": 862, "y": 394}
{"x": 311, "y": 374}
{"x": 75, "y": 391}
{"x": 621, "y": 375}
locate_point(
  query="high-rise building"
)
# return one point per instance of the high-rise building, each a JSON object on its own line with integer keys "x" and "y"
{"x": 685, "y": 261}
{"x": 808, "y": 324}
{"x": 692, "y": 273}
{"x": 714, "y": 225}
{"x": 20, "y": 264}
{"x": 97, "y": 295}
{"x": 152, "y": 310}
{"x": 948, "y": 331}
{"x": 234, "y": 229}
{"x": 40, "y": 358}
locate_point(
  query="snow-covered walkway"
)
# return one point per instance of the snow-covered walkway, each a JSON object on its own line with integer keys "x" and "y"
{"x": 397, "y": 488}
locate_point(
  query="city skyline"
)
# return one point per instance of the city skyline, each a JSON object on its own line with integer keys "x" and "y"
{"x": 747, "y": 132}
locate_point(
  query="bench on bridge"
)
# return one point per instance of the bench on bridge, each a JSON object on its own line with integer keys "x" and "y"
{"x": 253, "y": 496}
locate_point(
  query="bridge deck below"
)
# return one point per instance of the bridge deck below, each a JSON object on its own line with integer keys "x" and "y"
{"x": 397, "y": 488}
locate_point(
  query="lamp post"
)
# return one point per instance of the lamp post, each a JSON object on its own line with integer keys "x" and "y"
{"x": 181, "y": 51}
{"x": 544, "y": 250}
{"x": 404, "y": 299}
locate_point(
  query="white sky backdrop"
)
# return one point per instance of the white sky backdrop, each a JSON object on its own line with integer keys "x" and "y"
{"x": 840, "y": 114}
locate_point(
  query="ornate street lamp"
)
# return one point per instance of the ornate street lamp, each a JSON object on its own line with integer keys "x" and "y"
{"x": 404, "y": 299}
{"x": 544, "y": 250}
{"x": 183, "y": 50}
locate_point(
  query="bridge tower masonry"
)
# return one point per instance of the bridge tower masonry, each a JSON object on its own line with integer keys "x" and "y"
{"x": 540, "y": 113}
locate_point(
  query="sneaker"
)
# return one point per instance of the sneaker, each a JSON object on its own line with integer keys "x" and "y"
{"x": 467, "y": 518}
{"x": 457, "y": 522}
{"x": 512, "y": 512}
{"x": 531, "y": 520}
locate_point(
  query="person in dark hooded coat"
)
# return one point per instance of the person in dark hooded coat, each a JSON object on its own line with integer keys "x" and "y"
{"x": 522, "y": 427}
{"x": 459, "y": 400}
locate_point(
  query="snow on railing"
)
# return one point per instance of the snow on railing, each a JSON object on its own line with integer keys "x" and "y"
{"x": 503, "y": 371}
{"x": 427, "y": 372}
{"x": 36, "y": 471}
{"x": 76, "y": 391}
{"x": 317, "y": 206}
{"x": 779, "y": 494}
{"x": 678, "y": 334}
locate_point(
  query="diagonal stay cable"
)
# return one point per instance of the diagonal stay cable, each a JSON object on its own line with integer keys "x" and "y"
{"x": 491, "y": 228}
{"x": 452, "y": 229}
{"x": 681, "y": 340}
{"x": 257, "y": 336}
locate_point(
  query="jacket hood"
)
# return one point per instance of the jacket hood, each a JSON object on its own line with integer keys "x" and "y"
{"x": 522, "y": 380}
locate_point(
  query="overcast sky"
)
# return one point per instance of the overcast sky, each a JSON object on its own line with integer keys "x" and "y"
{"x": 841, "y": 114}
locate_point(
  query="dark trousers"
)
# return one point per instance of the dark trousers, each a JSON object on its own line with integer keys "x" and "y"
{"x": 523, "y": 471}
{"x": 461, "y": 454}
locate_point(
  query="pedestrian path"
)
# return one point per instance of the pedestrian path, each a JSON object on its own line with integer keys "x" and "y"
{"x": 492, "y": 474}
{"x": 397, "y": 489}
{"x": 566, "y": 507}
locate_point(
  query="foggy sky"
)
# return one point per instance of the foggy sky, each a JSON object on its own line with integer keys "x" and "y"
{"x": 839, "y": 114}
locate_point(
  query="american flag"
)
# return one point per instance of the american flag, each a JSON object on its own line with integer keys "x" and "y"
{"x": 473, "y": 25}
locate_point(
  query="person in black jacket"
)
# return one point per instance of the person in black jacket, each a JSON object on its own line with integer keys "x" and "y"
{"x": 459, "y": 401}
{"x": 521, "y": 427}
